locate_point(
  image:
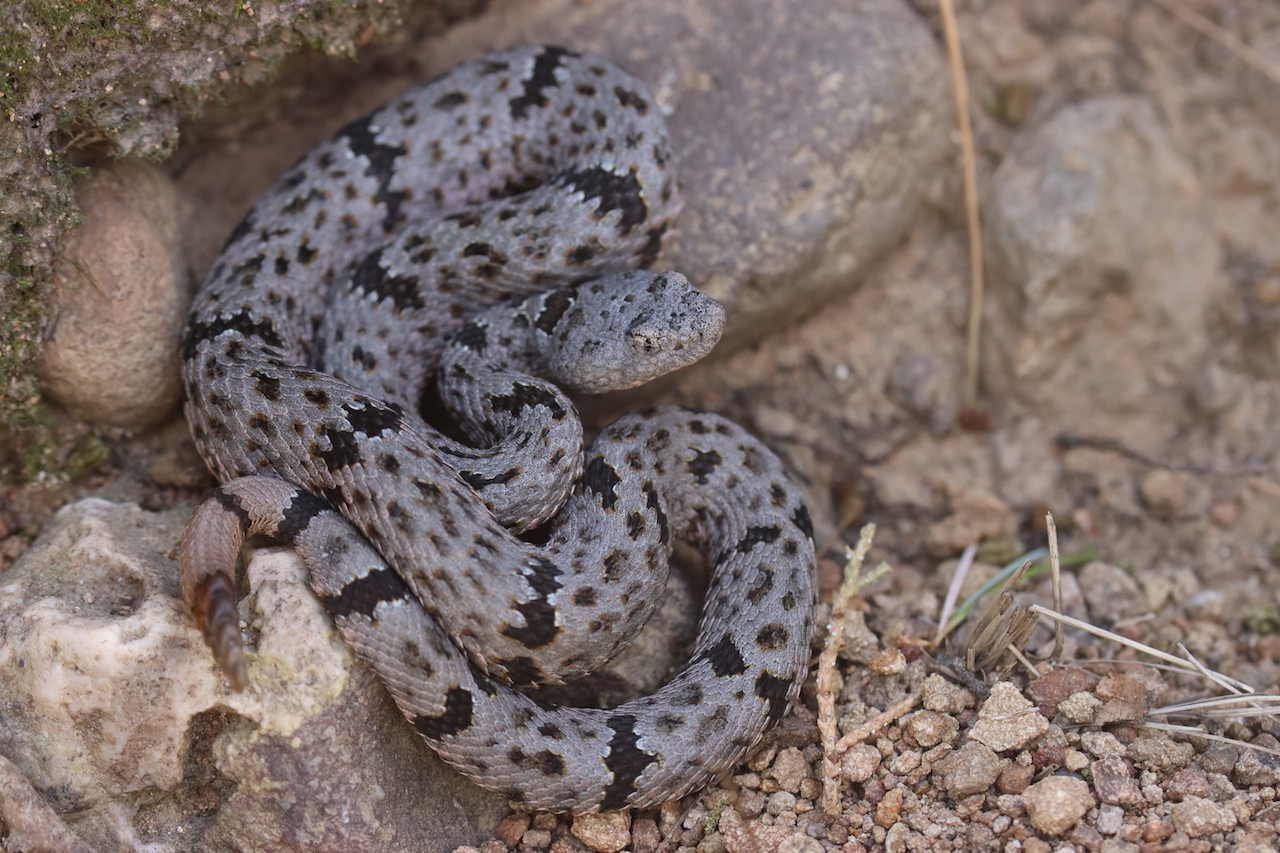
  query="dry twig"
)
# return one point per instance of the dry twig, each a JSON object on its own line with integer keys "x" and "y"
{"x": 970, "y": 161}
{"x": 849, "y": 587}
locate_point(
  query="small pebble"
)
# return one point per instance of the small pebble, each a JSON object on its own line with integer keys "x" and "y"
{"x": 1198, "y": 817}
{"x": 1056, "y": 804}
{"x": 512, "y": 828}
{"x": 1007, "y": 720}
{"x": 606, "y": 832}
{"x": 972, "y": 769}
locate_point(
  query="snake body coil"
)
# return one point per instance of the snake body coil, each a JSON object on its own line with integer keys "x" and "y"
{"x": 470, "y": 211}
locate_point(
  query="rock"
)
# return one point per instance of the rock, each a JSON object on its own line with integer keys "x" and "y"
{"x": 972, "y": 769}
{"x": 859, "y": 763}
{"x": 930, "y": 728}
{"x": 1166, "y": 492}
{"x": 938, "y": 694}
{"x": 1055, "y": 686}
{"x": 1124, "y": 699}
{"x": 1084, "y": 277}
{"x": 1056, "y": 804}
{"x": 606, "y": 832}
{"x": 974, "y": 516}
{"x": 859, "y": 114}
{"x": 1111, "y": 592}
{"x": 1198, "y": 817}
{"x": 889, "y": 809}
{"x": 1257, "y": 768}
{"x": 1159, "y": 753}
{"x": 116, "y": 714}
{"x": 1007, "y": 720}
{"x": 1114, "y": 781}
{"x": 790, "y": 768}
{"x": 111, "y": 353}
{"x": 1080, "y": 708}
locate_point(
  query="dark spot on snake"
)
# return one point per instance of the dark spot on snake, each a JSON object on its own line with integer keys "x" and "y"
{"x": 240, "y": 321}
{"x": 652, "y": 502}
{"x": 454, "y": 719}
{"x": 584, "y": 596}
{"x": 282, "y": 266}
{"x": 266, "y": 385}
{"x": 584, "y": 253}
{"x": 317, "y": 397}
{"x": 724, "y": 657}
{"x": 363, "y": 142}
{"x": 687, "y": 694}
{"x": 703, "y": 465}
{"x": 614, "y": 563}
{"x": 712, "y": 724}
{"x": 626, "y": 760}
{"x": 630, "y": 99}
{"x": 668, "y": 723}
{"x": 598, "y": 476}
{"x": 551, "y": 730}
{"x": 762, "y": 588}
{"x": 539, "y": 614}
{"x": 554, "y": 305}
{"x": 465, "y": 219}
{"x": 231, "y": 503}
{"x": 478, "y": 481}
{"x": 473, "y": 336}
{"x": 485, "y": 250}
{"x": 521, "y": 671}
{"x": 389, "y": 463}
{"x": 612, "y": 192}
{"x": 373, "y": 418}
{"x": 542, "y": 77}
{"x": 635, "y": 525}
{"x": 429, "y": 490}
{"x": 261, "y": 423}
{"x": 777, "y": 494}
{"x": 300, "y": 203}
{"x": 774, "y": 690}
{"x": 371, "y": 278}
{"x": 367, "y": 360}
{"x": 450, "y": 100}
{"x": 525, "y": 395}
{"x": 757, "y": 535}
{"x": 789, "y": 601}
{"x": 362, "y": 595}
{"x": 297, "y": 516}
{"x": 802, "y": 520}
{"x": 343, "y": 450}
{"x": 697, "y": 427}
{"x": 772, "y": 637}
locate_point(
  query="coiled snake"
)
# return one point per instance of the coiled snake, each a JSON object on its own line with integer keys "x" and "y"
{"x": 497, "y": 209}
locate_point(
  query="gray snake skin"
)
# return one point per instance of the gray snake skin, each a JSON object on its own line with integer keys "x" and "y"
{"x": 480, "y": 231}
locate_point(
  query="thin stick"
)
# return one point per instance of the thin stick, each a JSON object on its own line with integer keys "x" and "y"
{"x": 1199, "y": 22}
{"x": 827, "y": 668}
{"x": 970, "y": 161}
{"x": 953, "y": 591}
{"x": 876, "y": 723}
{"x": 1180, "y": 663}
{"x": 1055, "y": 572}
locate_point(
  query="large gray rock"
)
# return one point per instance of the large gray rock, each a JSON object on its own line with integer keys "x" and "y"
{"x": 114, "y": 712}
{"x": 1103, "y": 252}
{"x": 808, "y": 134}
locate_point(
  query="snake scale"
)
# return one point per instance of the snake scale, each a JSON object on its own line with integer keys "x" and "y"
{"x": 481, "y": 229}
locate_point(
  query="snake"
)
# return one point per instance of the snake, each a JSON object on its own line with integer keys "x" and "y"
{"x": 476, "y": 241}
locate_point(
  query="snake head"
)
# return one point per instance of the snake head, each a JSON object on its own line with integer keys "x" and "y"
{"x": 628, "y": 328}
